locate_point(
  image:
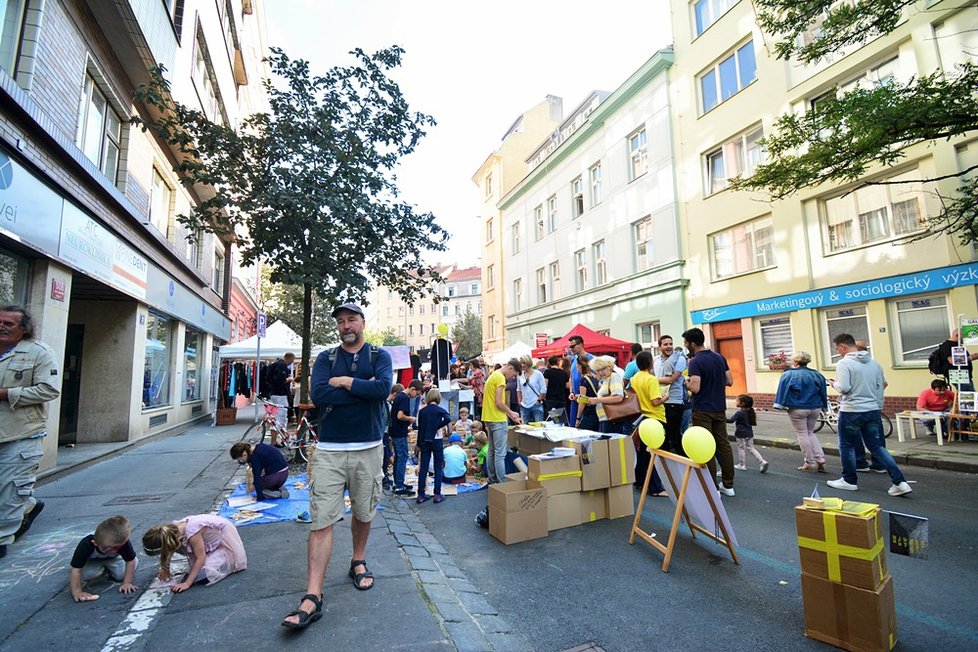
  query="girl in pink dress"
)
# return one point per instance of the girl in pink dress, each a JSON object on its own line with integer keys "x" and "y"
{"x": 210, "y": 542}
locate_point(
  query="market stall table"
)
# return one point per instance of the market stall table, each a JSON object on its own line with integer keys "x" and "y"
{"x": 921, "y": 415}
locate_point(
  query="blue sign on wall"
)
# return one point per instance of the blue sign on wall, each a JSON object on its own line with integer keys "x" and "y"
{"x": 891, "y": 286}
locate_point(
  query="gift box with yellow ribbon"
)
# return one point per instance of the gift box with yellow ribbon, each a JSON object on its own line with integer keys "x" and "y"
{"x": 842, "y": 541}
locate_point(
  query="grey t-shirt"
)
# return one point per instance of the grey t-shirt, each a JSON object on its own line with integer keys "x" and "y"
{"x": 668, "y": 366}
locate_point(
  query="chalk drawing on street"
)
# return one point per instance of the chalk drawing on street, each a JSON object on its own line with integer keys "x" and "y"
{"x": 48, "y": 554}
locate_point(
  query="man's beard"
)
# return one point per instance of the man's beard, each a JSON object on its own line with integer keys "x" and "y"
{"x": 349, "y": 338}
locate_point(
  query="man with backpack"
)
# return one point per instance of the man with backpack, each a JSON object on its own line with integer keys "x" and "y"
{"x": 941, "y": 362}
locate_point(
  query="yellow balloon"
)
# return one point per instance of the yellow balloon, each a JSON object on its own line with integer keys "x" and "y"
{"x": 699, "y": 444}
{"x": 652, "y": 433}
{"x": 442, "y": 330}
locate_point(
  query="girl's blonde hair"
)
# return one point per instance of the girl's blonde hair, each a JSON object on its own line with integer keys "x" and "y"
{"x": 481, "y": 439}
{"x": 526, "y": 360}
{"x": 162, "y": 540}
{"x": 433, "y": 396}
{"x": 602, "y": 362}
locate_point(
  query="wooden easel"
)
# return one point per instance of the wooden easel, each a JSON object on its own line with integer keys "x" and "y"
{"x": 958, "y": 423}
{"x": 680, "y": 492}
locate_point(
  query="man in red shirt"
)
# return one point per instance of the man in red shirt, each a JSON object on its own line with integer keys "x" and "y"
{"x": 937, "y": 398}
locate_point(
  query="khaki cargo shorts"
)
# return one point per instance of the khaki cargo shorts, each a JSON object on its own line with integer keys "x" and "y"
{"x": 332, "y": 472}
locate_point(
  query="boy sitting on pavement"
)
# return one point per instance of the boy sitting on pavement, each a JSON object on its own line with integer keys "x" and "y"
{"x": 106, "y": 551}
{"x": 456, "y": 461}
{"x": 268, "y": 467}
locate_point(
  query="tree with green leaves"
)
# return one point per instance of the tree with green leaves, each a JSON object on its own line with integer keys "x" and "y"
{"x": 384, "y": 338}
{"x": 854, "y": 132}
{"x": 467, "y": 333}
{"x": 309, "y": 187}
{"x": 283, "y": 302}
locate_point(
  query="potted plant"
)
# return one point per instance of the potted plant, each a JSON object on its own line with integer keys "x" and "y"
{"x": 778, "y": 361}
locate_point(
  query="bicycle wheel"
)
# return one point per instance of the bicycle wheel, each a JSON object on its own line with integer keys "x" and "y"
{"x": 887, "y": 426}
{"x": 819, "y": 422}
{"x": 254, "y": 434}
{"x": 306, "y": 437}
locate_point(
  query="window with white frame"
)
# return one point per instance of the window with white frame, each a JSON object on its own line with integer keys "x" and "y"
{"x": 774, "y": 334}
{"x": 458, "y": 309}
{"x": 160, "y": 202}
{"x": 957, "y": 40}
{"x": 488, "y": 186}
{"x": 444, "y": 310}
{"x": 400, "y": 311}
{"x": 518, "y": 294}
{"x": 737, "y": 157}
{"x": 851, "y": 319}
{"x": 410, "y": 311}
{"x": 389, "y": 311}
{"x": 11, "y": 23}
{"x": 420, "y": 329}
{"x": 193, "y": 250}
{"x": 452, "y": 291}
{"x": 205, "y": 82}
{"x": 873, "y": 213}
{"x": 490, "y": 277}
{"x": 598, "y": 253}
{"x": 638, "y": 154}
{"x": 922, "y": 323}
{"x": 594, "y": 176}
{"x": 517, "y": 237}
{"x": 577, "y": 197}
{"x": 411, "y": 329}
{"x": 644, "y": 252}
{"x": 474, "y": 288}
{"x": 492, "y": 327}
{"x": 538, "y": 223}
{"x": 217, "y": 281}
{"x": 552, "y": 214}
{"x": 100, "y": 131}
{"x": 707, "y": 12}
{"x": 555, "y": 280}
{"x": 647, "y": 334}
{"x": 747, "y": 247}
{"x": 490, "y": 232}
{"x": 728, "y": 77}
{"x": 580, "y": 263}
{"x": 400, "y": 330}
{"x": 541, "y": 285}
{"x": 421, "y": 309}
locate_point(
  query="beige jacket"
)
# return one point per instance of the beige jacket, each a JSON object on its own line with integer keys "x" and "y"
{"x": 29, "y": 374}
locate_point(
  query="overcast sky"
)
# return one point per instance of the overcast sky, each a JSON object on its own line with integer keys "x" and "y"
{"x": 475, "y": 67}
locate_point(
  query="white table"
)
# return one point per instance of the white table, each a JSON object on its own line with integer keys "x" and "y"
{"x": 922, "y": 416}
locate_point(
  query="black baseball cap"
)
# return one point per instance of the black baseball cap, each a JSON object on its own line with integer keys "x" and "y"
{"x": 352, "y": 307}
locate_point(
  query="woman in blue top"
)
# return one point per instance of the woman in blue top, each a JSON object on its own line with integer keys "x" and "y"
{"x": 431, "y": 420}
{"x": 802, "y": 392}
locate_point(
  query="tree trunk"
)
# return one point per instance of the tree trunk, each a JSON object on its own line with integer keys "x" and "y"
{"x": 306, "y": 342}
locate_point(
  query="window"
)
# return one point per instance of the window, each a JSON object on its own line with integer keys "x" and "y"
{"x": 421, "y": 309}
{"x": 737, "y": 157}
{"x": 434, "y": 310}
{"x": 458, "y": 309}
{"x": 552, "y": 214}
{"x": 193, "y": 250}
{"x": 12, "y": 15}
{"x": 873, "y": 213}
{"x": 389, "y": 311}
{"x": 218, "y": 278}
{"x": 411, "y": 329}
{"x": 538, "y": 222}
{"x": 541, "y": 285}
{"x": 580, "y": 262}
{"x": 400, "y": 330}
{"x": 444, "y": 310}
{"x": 577, "y": 197}
{"x": 707, "y": 12}
{"x": 733, "y": 73}
{"x": 849, "y": 319}
{"x": 191, "y": 368}
{"x": 160, "y": 200}
{"x": 923, "y": 324}
{"x": 492, "y": 327}
{"x": 644, "y": 252}
{"x": 410, "y": 311}
{"x": 638, "y": 154}
{"x": 594, "y": 174}
{"x": 516, "y": 237}
{"x": 400, "y": 311}
{"x": 600, "y": 263}
{"x": 491, "y": 276}
{"x": 452, "y": 290}
{"x": 488, "y": 186}
{"x": 156, "y": 368}
{"x": 555, "y": 280}
{"x": 489, "y": 230}
{"x": 474, "y": 288}
{"x": 957, "y": 41}
{"x": 518, "y": 294}
{"x": 100, "y": 131}
{"x": 206, "y": 83}
{"x": 744, "y": 248}
{"x": 175, "y": 9}
{"x": 775, "y": 336}
{"x": 420, "y": 329}
{"x": 648, "y": 335}
{"x": 13, "y": 279}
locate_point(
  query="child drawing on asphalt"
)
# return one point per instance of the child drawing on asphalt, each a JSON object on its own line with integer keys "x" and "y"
{"x": 745, "y": 418}
{"x": 210, "y": 542}
{"x": 108, "y": 552}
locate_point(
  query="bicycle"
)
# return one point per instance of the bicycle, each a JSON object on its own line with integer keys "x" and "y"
{"x": 299, "y": 441}
{"x": 830, "y": 417}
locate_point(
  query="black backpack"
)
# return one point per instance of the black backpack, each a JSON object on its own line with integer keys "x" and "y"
{"x": 937, "y": 363}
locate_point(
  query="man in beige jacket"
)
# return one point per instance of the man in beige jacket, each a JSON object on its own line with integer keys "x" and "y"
{"x": 28, "y": 380}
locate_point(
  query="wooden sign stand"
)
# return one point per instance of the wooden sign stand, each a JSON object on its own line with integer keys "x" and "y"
{"x": 680, "y": 492}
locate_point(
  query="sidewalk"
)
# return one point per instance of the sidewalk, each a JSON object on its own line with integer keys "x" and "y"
{"x": 774, "y": 429}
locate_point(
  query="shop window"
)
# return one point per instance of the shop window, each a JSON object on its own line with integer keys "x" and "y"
{"x": 747, "y": 247}
{"x": 156, "y": 370}
{"x": 775, "y": 337}
{"x": 848, "y": 319}
{"x": 874, "y": 213}
{"x": 922, "y": 323}
{"x": 13, "y": 279}
{"x": 191, "y": 366}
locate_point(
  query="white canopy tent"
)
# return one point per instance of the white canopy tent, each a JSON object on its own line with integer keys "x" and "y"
{"x": 279, "y": 339}
{"x": 514, "y": 351}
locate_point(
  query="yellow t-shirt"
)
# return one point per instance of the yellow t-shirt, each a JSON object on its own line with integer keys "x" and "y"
{"x": 647, "y": 387}
{"x": 490, "y": 413}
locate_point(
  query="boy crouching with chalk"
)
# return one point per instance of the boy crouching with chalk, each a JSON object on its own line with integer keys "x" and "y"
{"x": 108, "y": 551}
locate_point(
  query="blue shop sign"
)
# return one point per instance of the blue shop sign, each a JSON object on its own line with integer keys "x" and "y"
{"x": 892, "y": 286}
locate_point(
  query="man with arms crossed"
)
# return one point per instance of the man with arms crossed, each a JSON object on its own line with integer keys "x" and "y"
{"x": 351, "y": 392}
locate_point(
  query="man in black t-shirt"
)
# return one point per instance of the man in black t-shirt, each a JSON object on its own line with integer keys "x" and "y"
{"x": 557, "y": 391}
{"x": 279, "y": 381}
{"x": 945, "y": 353}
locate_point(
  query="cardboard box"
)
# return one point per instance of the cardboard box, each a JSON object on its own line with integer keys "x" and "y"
{"x": 843, "y": 546}
{"x": 620, "y": 501}
{"x": 849, "y": 617}
{"x": 621, "y": 460}
{"x": 518, "y": 476}
{"x": 563, "y": 510}
{"x": 512, "y": 438}
{"x": 595, "y": 469}
{"x": 516, "y": 527}
{"x": 516, "y": 496}
{"x": 593, "y": 505}
{"x": 530, "y": 445}
{"x": 558, "y": 475}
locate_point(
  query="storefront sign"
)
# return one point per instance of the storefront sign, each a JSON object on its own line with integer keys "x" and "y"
{"x": 893, "y": 286}
{"x": 541, "y": 340}
{"x": 94, "y": 249}
{"x": 30, "y": 211}
{"x": 57, "y": 289}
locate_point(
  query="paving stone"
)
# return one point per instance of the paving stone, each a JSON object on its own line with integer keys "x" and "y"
{"x": 406, "y": 539}
{"x": 417, "y": 526}
{"x": 493, "y": 624}
{"x": 452, "y": 611}
{"x": 466, "y": 636}
{"x": 443, "y": 560}
{"x": 476, "y": 604}
{"x": 436, "y": 549}
{"x": 452, "y": 571}
{"x": 508, "y": 643}
{"x": 462, "y": 586}
{"x": 431, "y": 577}
{"x": 422, "y": 563}
{"x": 439, "y": 593}
{"x": 398, "y": 527}
{"x": 427, "y": 539}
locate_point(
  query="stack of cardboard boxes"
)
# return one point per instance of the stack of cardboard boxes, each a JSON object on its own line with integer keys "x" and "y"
{"x": 593, "y": 483}
{"x": 846, "y": 589}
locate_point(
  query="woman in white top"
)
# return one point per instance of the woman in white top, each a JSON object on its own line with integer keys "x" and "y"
{"x": 531, "y": 389}
{"x": 612, "y": 390}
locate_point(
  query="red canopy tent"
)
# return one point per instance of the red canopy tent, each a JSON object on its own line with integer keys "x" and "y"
{"x": 594, "y": 342}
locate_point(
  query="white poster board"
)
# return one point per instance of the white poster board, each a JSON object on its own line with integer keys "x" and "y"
{"x": 696, "y": 503}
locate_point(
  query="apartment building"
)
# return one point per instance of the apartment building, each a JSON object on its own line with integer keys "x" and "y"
{"x": 499, "y": 173}
{"x": 591, "y": 235}
{"x": 770, "y": 277}
{"x": 88, "y": 237}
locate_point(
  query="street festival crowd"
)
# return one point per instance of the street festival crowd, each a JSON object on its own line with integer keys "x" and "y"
{"x": 369, "y": 427}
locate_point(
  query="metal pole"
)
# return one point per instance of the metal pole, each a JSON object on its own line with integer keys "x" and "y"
{"x": 257, "y": 363}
